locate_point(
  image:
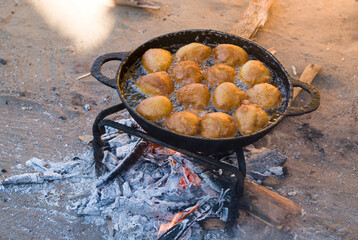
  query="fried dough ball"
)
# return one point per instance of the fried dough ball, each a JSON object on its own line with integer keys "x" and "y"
{"x": 187, "y": 72}
{"x": 194, "y": 95}
{"x": 218, "y": 74}
{"x": 157, "y": 59}
{"x": 250, "y": 118}
{"x": 184, "y": 122}
{"x": 227, "y": 96}
{"x": 217, "y": 125}
{"x": 265, "y": 95}
{"x": 158, "y": 83}
{"x": 155, "y": 108}
{"x": 230, "y": 55}
{"x": 196, "y": 52}
{"x": 254, "y": 72}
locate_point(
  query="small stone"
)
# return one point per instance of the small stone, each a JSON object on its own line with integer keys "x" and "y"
{"x": 87, "y": 107}
{"x": 62, "y": 118}
{"x": 292, "y": 193}
{"x": 3, "y": 61}
{"x": 3, "y": 170}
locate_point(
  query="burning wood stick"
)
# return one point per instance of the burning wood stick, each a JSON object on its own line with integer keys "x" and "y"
{"x": 29, "y": 178}
{"x": 138, "y": 151}
{"x": 254, "y": 16}
{"x": 307, "y": 76}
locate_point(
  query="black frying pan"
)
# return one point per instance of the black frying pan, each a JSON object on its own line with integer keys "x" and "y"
{"x": 210, "y": 37}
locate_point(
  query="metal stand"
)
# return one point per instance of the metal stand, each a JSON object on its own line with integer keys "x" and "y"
{"x": 98, "y": 144}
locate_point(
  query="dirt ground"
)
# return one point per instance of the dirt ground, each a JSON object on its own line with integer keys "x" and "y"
{"x": 42, "y": 102}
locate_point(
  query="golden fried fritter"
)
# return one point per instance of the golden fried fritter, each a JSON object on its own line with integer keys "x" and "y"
{"x": 158, "y": 83}
{"x": 194, "y": 95}
{"x": 196, "y": 52}
{"x": 217, "y": 125}
{"x": 254, "y": 72}
{"x": 229, "y": 54}
{"x": 155, "y": 108}
{"x": 157, "y": 59}
{"x": 187, "y": 72}
{"x": 265, "y": 95}
{"x": 250, "y": 118}
{"x": 184, "y": 122}
{"x": 218, "y": 74}
{"x": 227, "y": 96}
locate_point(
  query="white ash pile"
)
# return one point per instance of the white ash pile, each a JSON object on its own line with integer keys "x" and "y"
{"x": 159, "y": 184}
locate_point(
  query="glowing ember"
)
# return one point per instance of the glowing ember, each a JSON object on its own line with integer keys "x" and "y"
{"x": 189, "y": 178}
{"x": 177, "y": 219}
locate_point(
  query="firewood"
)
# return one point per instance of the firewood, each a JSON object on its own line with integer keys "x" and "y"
{"x": 140, "y": 149}
{"x": 254, "y": 16}
{"x": 307, "y": 76}
{"x": 265, "y": 205}
{"x": 212, "y": 224}
{"x": 269, "y": 207}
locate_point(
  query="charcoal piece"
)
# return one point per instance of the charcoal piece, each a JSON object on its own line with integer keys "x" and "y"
{"x": 157, "y": 174}
{"x": 262, "y": 159}
{"x": 110, "y": 160}
{"x": 66, "y": 167}
{"x": 191, "y": 163}
{"x": 110, "y": 193}
{"x": 147, "y": 180}
{"x": 127, "y": 192}
{"x": 28, "y": 178}
{"x": 163, "y": 151}
{"x": 37, "y": 164}
{"x": 119, "y": 141}
{"x": 256, "y": 175}
{"x": 123, "y": 151}
{"x": 158, "y": 209}
{"x": 278, "y": 171}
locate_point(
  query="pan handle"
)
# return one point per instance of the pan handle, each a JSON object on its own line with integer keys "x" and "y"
{"x": 313, "y": 105}
{"x": 97, "y": 65}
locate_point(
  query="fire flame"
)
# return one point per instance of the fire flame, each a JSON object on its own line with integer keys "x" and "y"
{"x": 177, "y": 219}
{"x": 189, "y": 178}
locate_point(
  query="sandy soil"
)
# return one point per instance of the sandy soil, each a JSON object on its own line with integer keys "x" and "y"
{"x": 42, "y": 103}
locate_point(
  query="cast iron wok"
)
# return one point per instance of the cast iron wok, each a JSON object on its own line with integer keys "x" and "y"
{"x": 172, "y": 41}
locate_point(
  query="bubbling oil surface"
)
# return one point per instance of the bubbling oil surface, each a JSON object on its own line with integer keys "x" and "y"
{"x": 134, "y": 95}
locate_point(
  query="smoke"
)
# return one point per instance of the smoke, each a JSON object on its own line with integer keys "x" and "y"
{"x": 87, "y": 23}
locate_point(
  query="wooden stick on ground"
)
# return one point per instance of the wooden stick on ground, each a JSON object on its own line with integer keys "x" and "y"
{"x": 307, "y": 76}
{"x": 138, "y": 3}
{"x": 254, "y": 16}
{"x": 269, "y": 206}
